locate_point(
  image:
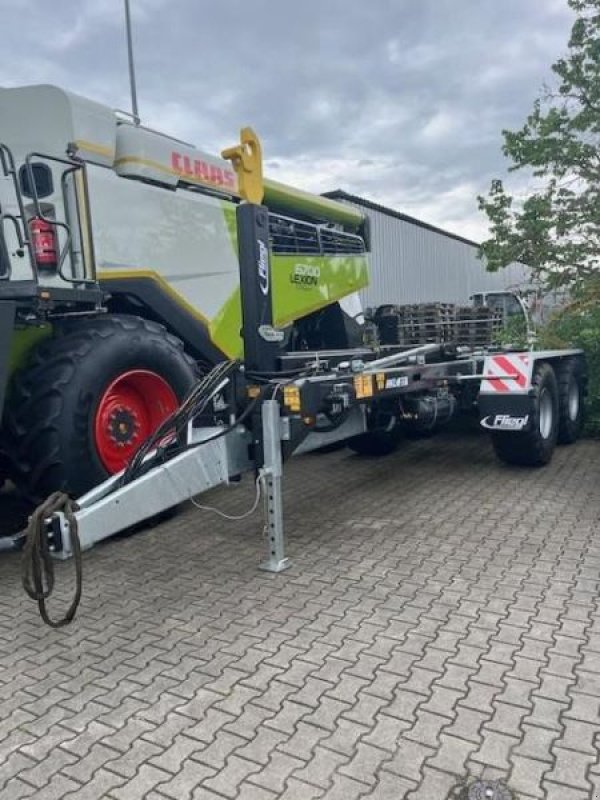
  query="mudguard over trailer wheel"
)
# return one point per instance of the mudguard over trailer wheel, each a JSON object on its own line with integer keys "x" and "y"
{"x": 535, "y": 446}
{"x": 89, "y": 397}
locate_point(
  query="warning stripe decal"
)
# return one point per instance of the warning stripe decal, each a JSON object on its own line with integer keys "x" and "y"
{"x": 508, "y": 372}
{"x": 510, "y": 368}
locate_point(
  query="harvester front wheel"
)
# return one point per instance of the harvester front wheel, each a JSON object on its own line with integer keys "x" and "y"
{"x": 88, "y": 399}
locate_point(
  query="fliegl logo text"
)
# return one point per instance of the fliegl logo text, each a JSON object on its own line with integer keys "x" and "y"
{"x": 504, "y": 422}
{"x": 263, "y": 267}
{"x": 305, "y": 275}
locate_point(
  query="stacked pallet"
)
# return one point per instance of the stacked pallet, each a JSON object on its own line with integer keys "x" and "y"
{"x": 477, "y": 327}
{"x": 422, "y": 323}
{"x": 413, "y": 324}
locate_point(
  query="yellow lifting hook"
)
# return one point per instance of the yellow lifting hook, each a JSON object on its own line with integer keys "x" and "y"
{"x": 246, "y": 159}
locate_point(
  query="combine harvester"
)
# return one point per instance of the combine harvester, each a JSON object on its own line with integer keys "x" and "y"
{"x": 119, "y": 282}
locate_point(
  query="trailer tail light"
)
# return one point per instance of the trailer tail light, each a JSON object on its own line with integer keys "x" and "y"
{"x": 43, "y": 241}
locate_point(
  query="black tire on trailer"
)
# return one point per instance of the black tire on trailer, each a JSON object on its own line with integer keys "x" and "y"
{"x": 374, "y": 443}
{"x": 571, "y": 386}
{"x": 382, "y": 436}
{"x": 535, "y": 446}
{"x": 87, "y": 399}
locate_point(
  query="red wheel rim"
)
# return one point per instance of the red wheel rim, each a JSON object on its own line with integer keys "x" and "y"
{"x": 130, "y": 409}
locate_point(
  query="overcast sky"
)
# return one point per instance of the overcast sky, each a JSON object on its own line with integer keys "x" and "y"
{"x": 400, "y": 101}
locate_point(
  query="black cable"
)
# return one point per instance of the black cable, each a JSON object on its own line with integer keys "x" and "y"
{"x": 244, "y": 415}
{"x": 290, "y": 373}
{"x": 195, "y": 402}
{"x": 37, "y": 561}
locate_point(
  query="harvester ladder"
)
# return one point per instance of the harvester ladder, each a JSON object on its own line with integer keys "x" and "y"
{"x": 18, "y": 221}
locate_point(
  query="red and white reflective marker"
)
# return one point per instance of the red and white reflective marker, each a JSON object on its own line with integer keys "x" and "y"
{"x": 507, "y": 373}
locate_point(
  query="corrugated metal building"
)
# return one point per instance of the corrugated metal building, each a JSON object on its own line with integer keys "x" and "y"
{"x": 414, "y": 262}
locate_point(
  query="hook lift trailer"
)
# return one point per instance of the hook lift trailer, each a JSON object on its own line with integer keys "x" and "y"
{"x": 250, "y": 416}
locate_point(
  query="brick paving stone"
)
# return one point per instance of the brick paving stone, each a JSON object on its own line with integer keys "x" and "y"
{"x": 386, "y": 732}
{"x": 452, "y": 754}
{"x": 275, "y": 774}
{"x": 434, "y": 784}
{"x": 208, "y": 727}
{"x": 43, "y": 771}
{"x": 299, "y": 790}
{"x": 345, "y": 788}
{"x": 495, "y": 750}
{"x": 526, "y": 776}
{"x": 506, "y": 719}
{"x": 536, "y": 743}
{"x": 391, "y": 787}
{"x": 47, "y": 742}
{"x": 185, "y": 782}
{"x": 288, "y": 717}
{"x": 228, "y": 780}
{"x": 83, "y": 769}
{"x": 147, "y": 778}
{"x": 583, "y": 708}
{"x": 250, "y": 791}
{"x": 59, "y": 787}
{"x": 16, "y": 789}
{"x": 570, "y": 768}
{"x": 304, "y": 739}
{"x": 480, "y": 697}
{"x": 264, "y": 743}
{"x": 409, "y": 759}
{"x": 546, "y": 713}
{"x": 321, "y": 768}
{"x": 427, "y": 728}
{"x": 98, "y": 786}
{"x": 555, "y": 791}
{"x": 365, "y": 763}
{"x": 328, "y": 712}
{"x": 15, "y": 765}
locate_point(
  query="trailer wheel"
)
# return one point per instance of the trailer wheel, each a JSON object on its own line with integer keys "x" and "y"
{"x": 374, "y": 443}
{"x": 383, "y": 433}
{"x": 89, "y": 397}
{"x": 571, "y": 384}
{"x": 535, "y": 446}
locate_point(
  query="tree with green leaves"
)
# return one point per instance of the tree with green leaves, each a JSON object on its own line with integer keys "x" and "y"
{"x": 555, "y": 229}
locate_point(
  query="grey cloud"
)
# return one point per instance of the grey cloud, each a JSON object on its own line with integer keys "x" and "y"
{"x": 398, "y": 100}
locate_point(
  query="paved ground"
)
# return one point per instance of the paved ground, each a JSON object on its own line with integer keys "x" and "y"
{"x": 440, "y": 622}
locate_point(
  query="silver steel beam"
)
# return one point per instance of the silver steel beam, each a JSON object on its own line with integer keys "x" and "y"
{"x": 105, "y": 511}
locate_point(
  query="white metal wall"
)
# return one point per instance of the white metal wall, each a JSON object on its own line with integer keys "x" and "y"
{"x": 412, "y": 264}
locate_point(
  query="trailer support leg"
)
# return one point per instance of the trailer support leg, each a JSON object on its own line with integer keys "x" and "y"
{"x": 272, "y": 476}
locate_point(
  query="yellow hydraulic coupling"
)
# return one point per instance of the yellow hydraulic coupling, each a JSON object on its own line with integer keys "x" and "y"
{"x": 246, "y": 159}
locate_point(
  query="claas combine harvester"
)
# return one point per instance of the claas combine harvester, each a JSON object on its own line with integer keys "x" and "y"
{"x": 119, "y": 282}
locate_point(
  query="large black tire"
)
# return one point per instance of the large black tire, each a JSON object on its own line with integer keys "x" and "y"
{"x": 571, "y": 387}
{"x": 534, "y": 447}
{"x": 49, "y": 419}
